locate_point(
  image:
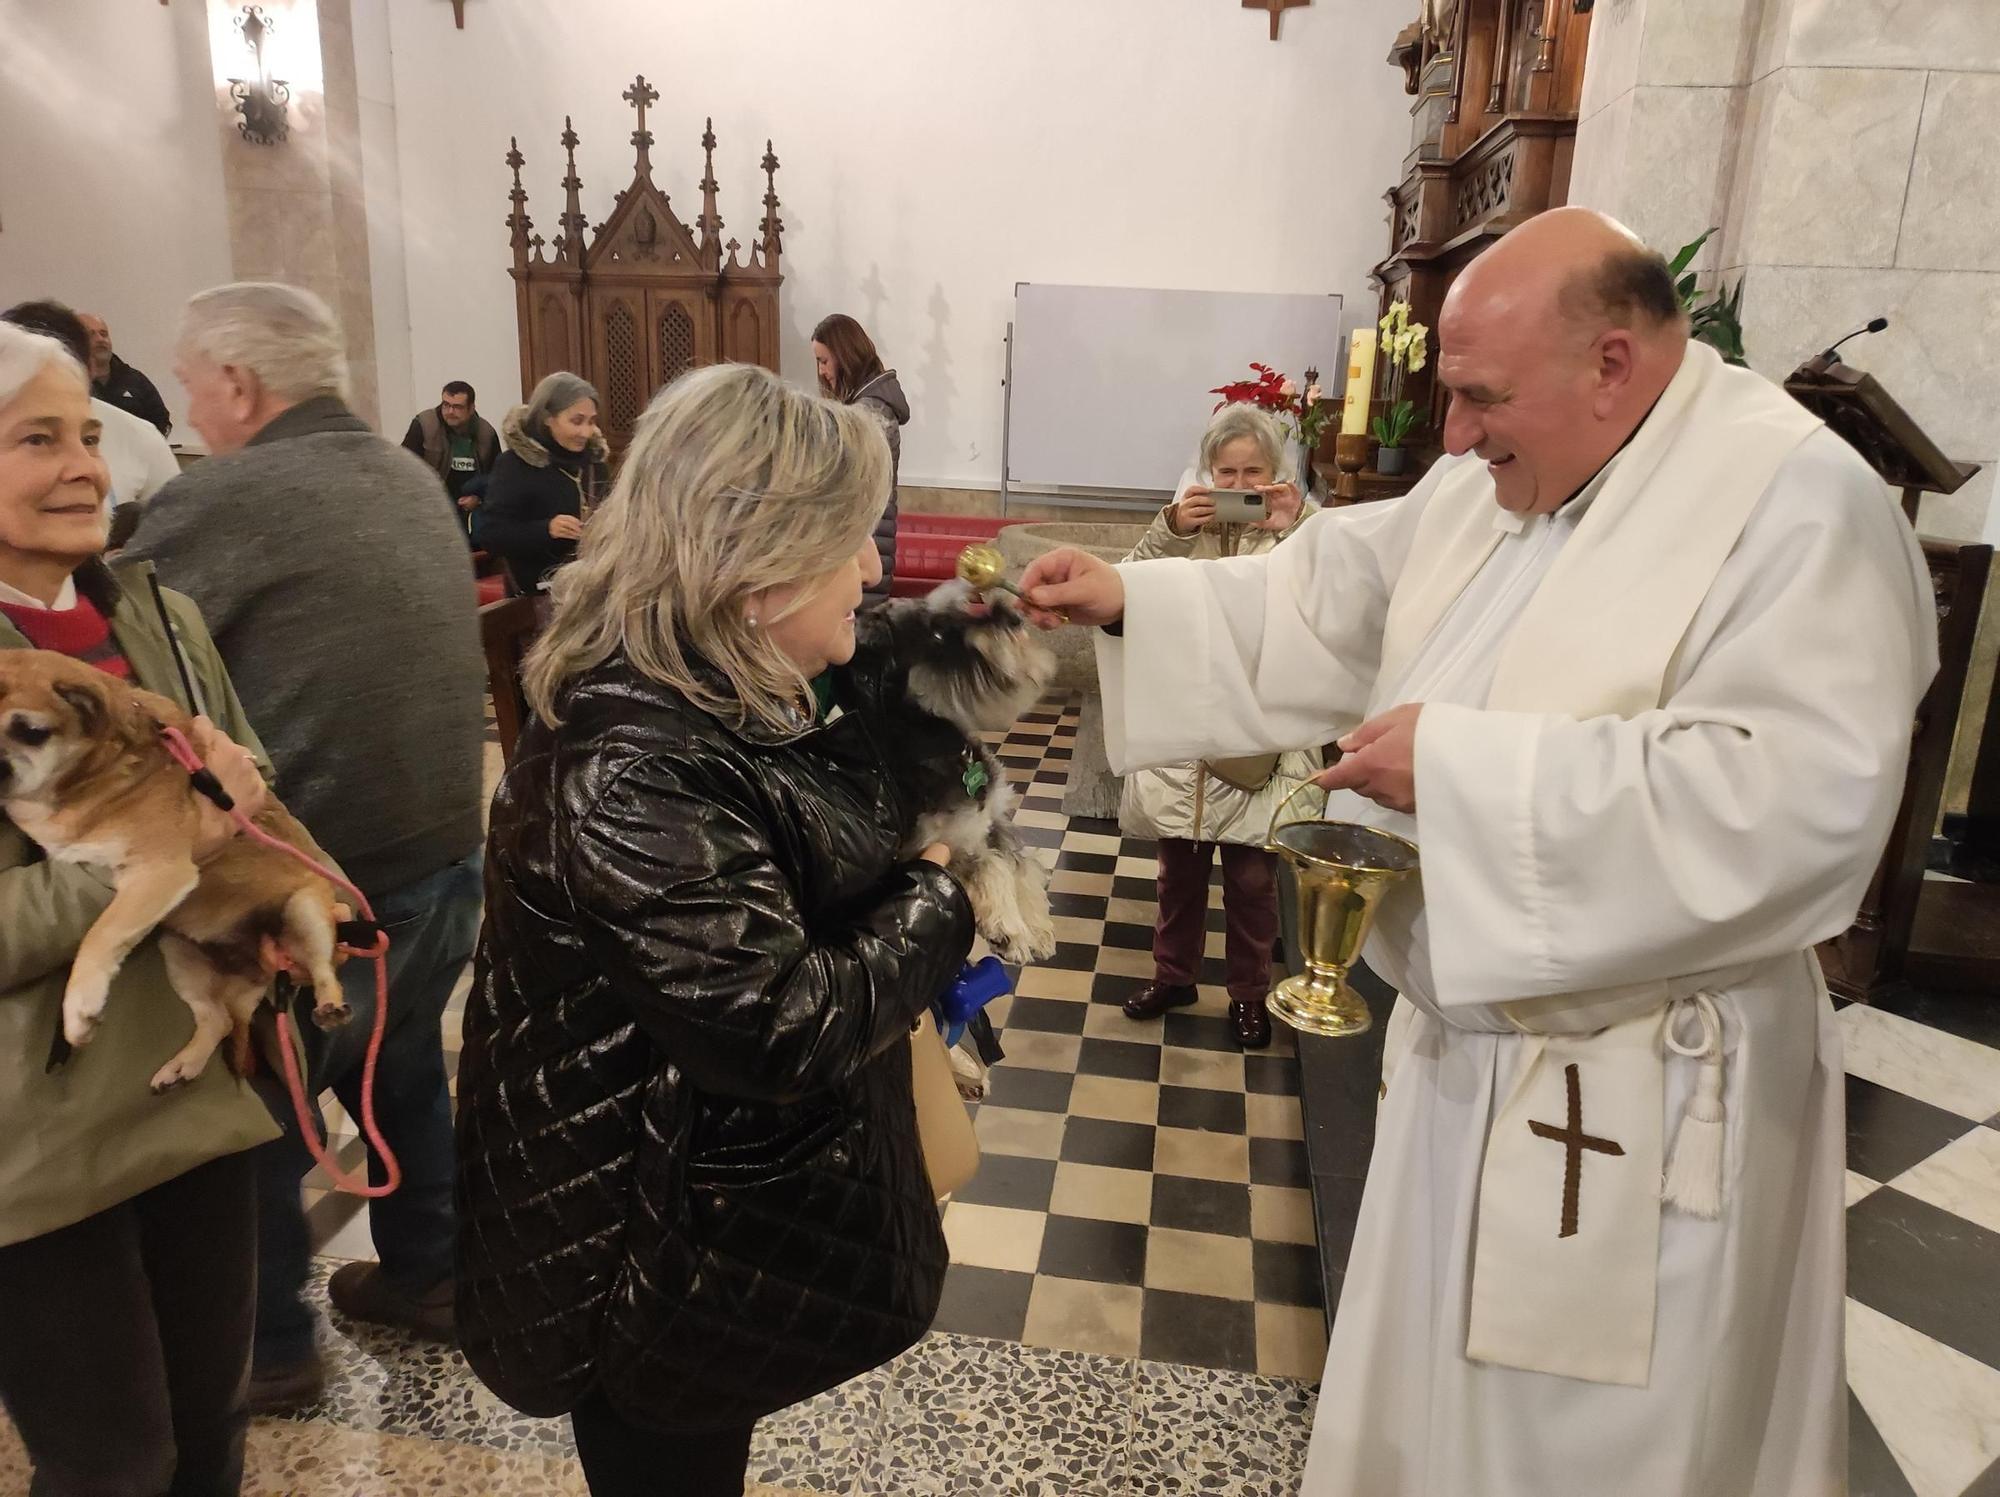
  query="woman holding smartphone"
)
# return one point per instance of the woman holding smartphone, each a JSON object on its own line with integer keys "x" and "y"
{"x": 1236, "y": 501}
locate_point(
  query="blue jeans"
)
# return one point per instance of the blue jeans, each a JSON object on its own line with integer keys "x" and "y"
{"x": 433, "y": 925}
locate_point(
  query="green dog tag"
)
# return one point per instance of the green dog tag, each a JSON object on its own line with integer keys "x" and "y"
{"x": 976, "y": 777}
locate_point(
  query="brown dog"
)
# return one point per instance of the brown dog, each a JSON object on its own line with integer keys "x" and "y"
{"x": 85, "y": 773}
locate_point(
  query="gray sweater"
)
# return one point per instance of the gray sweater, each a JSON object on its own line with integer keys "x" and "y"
{"x": 340, "y": 594}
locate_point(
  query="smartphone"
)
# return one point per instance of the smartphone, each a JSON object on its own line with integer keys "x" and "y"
{"x": 1238, "y": 506}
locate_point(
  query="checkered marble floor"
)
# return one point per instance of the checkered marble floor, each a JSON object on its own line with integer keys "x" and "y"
{"x": 1923, "y": 1245}
{"x": 1143, "y": 1186}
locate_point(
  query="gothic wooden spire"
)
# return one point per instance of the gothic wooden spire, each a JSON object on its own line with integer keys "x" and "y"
{"x": 518, "y": 221}
{"x": 773, "y": 226}
{"x": 570, "y": 242}
{"x": 710, "y": 222}
{"x": 639, "y": 95}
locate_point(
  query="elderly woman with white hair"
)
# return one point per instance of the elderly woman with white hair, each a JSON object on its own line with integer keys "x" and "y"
{"x": 544, "y": 482}
{"x": 127, "y": 1220}
{"x": 1195, "y": 811}
{"x": 691, "y": 1189}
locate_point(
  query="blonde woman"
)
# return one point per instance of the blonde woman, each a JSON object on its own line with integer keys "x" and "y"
{"x": 1196, "y": 811}
{"x": 691, "y": 1189}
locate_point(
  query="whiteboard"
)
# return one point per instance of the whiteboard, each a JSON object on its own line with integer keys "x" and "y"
{"x": 1109, "y": 387}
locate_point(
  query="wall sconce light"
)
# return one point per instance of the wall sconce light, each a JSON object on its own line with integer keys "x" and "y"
{"x": 263, "y": 104}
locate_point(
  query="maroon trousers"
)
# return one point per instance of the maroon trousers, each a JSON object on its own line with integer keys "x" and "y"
{"x": 1249, "y": 912}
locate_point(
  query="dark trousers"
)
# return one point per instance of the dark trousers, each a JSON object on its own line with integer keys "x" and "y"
{"x": 1249, "y": 913}
{"x": 620, "y": 1459}
{"x": 125, "y": 1340}
{"x": 432, "y": 925}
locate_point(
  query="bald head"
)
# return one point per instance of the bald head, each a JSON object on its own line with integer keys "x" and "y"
{"x": 1555, "y": 344}
{"x": 1578, "y": 266}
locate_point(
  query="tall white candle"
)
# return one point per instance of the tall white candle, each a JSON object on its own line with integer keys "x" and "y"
{"x": 1360, "y": 382}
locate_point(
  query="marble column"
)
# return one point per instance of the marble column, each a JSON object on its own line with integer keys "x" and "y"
{"x": 297, "y": 209}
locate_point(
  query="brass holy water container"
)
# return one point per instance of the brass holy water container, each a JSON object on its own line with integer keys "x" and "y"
{"x": 1342, "y": 870}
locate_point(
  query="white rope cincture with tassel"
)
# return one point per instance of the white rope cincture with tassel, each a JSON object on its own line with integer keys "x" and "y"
{"x": 1694, "y": 1175}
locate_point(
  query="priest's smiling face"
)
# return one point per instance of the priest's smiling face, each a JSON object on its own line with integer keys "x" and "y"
{"x": 1523, "y": 397}
{"x": 1554, "y": 346}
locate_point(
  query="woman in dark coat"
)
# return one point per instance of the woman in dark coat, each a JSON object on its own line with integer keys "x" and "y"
{"x": 691, "y": 1189}
{"x": 851, "y": 372}
{"x": 544, "y": 483}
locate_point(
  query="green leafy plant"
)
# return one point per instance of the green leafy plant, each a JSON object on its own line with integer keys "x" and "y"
{"x": 1406, "y": 346}
{"x": 1715, "y": 314}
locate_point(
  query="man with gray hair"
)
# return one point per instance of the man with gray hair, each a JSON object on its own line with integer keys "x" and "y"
{"x": 341, "y": 596}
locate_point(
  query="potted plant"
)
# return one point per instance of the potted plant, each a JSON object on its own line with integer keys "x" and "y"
{"x": 1715, "y": 316}
{"x": 1300, "y": 415}
{"x": 1405, "y": 346}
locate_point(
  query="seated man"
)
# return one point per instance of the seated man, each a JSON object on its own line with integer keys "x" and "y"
{"x": 459, "y": 444}
{"x": 340, "y": 594}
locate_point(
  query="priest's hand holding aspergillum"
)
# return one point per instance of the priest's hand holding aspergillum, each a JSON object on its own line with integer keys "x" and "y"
{"x": 1074, "y": 587}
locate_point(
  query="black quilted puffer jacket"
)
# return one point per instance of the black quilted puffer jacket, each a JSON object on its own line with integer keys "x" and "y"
{"x": 689, "y": 1172}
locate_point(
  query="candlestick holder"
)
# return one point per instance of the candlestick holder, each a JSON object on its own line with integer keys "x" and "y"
{"x": 1350, "y": 456}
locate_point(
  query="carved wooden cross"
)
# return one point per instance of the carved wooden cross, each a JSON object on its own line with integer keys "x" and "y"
{"x": 1277, "y": 8}
{"x": 1574, "y": 1141}
{"x": 639, "y": 95}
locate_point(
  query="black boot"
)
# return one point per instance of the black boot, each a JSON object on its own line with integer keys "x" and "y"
{"x": 1157, "y": 999}
{"x": 1250, "y": 1022}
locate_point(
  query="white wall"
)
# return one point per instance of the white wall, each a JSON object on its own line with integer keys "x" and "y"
{"x": 934, "y": 153}
{"x": 111, "y": 193}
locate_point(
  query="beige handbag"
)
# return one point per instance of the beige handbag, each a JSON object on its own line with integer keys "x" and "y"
{"x": 951, "y": 1148}
{"x": 1250, "y": 773}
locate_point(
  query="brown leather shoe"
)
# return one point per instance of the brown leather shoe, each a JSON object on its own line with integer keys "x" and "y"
{"x": 287, "y": 1387}
{"x": 360, "y": 1291}
{"x": 1157, "y": 999}
{"x": 1250, "y": 1021}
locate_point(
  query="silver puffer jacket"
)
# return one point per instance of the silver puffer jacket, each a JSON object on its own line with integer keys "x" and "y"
{"x": 1185, "y": 800}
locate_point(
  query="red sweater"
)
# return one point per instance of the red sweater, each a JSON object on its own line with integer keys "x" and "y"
{"x": 81, "y": 632}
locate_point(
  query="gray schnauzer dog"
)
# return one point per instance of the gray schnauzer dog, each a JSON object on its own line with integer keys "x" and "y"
{"x": 968, "y": 672}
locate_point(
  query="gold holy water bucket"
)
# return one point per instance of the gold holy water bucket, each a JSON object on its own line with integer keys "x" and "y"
{"x": 1342, "y": 871}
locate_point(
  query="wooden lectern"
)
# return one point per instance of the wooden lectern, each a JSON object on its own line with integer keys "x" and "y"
{"x": 1910, "y": 929}
{"x": 1860, "y": 410}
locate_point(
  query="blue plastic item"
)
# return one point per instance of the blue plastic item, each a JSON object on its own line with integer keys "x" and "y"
{"x": 977, "y": 985}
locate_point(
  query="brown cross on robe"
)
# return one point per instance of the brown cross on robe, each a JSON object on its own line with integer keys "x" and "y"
{"x": 1574, "y": 1141}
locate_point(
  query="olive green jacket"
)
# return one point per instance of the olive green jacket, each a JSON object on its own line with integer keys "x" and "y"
{"x": 92, "y": 1134}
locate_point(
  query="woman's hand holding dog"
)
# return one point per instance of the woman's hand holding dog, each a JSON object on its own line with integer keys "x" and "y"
{"x": 1073, "y": 586}
{"x": 233, "y": 765}
{"x": 936, "y": 853}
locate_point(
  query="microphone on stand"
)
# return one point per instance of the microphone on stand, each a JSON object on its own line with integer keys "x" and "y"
{"x": 1874, "y": 325}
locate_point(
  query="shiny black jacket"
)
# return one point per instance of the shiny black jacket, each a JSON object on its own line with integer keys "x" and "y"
{"x": 689, "y": 1172}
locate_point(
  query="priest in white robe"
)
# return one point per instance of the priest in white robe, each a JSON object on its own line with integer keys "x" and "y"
{"x": 1636, "y": 669}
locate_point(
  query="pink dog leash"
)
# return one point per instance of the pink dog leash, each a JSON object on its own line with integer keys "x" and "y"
{"x": 205, "y": 781}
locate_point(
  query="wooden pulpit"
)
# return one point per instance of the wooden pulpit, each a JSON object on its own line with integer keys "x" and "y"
{"x": 1913, "y": 930}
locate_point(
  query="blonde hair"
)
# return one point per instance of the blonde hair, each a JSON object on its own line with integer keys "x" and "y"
{"x": 735, "y": 482}
{"x": 1241, "y": 420}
